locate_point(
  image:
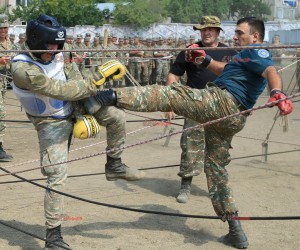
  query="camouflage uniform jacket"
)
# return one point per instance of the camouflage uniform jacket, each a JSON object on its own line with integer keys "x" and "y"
{"x": 10, "y": 46}
{"x": 31, "y": 77}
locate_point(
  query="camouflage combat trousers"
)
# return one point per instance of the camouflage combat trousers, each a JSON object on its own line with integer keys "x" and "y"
{"x": 162, "y": 70}
{"x": 201, "y": 105}
{"x": 135, "y": 69}
{"x": 3, "y": 86}
{"x": 192, "y": 143}
{"x": 54, "y": 136}
{"x": 146, "y": 73}
{"x": 114, "y": 120}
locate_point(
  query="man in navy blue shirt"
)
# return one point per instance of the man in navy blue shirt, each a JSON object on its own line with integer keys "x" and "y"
{"x": 237, "y": 88}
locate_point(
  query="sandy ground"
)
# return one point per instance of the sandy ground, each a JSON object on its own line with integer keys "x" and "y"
{"x": 261, "y": 189}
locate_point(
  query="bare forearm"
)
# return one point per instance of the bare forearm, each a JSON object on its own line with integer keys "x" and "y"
{"x": 171, "y": 79}
{"x": 216, "y": 67}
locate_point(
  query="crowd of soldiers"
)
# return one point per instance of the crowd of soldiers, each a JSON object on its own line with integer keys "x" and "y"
{"x": 147, "y": 60}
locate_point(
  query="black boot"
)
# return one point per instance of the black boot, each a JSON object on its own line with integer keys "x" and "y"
{"x": 236, "y": 236}
{"x": 115, "y": 169}
{"x": 185, "y": 190}
{"x": 3, "y": 155}
{"x": 53, "y": 235}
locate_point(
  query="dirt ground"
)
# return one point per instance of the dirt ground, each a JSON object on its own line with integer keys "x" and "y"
{"x": 261, "y": 189}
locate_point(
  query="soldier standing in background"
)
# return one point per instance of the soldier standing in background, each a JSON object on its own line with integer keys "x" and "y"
{"x": 192, "y": 40}
{"x": 127, "y": 47}
{"x": 5, "y": 62}
{"x": 136, "y": 54}
{"x": 78, "y": 55}
{"x": 110, "y": 54}
{"x": 12, "y": 38}
{"x": 162, "y": 61}
{"x": 126, "y": 42}
{"x": 148, "y": 64}
{"x": 97, "y": 56}
{"x": 20, "y": 44}
{"x": 68, "y": 46}
{"x": 122, "y": 56}
{"x": 193, "y": 142}
{"x": 87, "y": 54}
{"x": 277, "y": 54}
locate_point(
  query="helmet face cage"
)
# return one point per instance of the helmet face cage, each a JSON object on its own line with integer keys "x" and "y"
{"x": 43, "y": 31}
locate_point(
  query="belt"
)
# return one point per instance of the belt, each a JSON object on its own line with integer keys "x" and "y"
{"x": 237, "y": 103}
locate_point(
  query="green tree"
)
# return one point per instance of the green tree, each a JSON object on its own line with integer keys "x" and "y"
{"x": 185, "y": 12}
{"x": 241, "y": 8}
{"x": 217, "y": 8}
{"x": 68, "y": 13}
{"x": 139, "y": 13}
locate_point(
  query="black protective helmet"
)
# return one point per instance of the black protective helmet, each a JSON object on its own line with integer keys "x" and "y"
{"x": 44, "y": 30}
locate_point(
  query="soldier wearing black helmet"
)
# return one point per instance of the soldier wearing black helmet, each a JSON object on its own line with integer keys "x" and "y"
{"x": 47, "y": 86}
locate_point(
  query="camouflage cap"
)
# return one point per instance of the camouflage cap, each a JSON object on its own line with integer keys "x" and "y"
{"x": 4, "y": 21}
{"x": 87, "y": 39}
{"x": 79, "y": 36}
{"x": 87, "y": 34}
{"x": 121, "y": 39}
{"x": 208, "y": 22}
{"x": 97, "y": 34}
{"x": 69, "y": 37}
{"x": 12, "y": 35}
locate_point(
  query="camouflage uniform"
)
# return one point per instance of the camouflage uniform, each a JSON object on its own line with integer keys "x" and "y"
{"x": 162, "y": 63}
{"x": 4, "y": 71}
{"x": 277, "y": 53}
{"x": 55, "y": 133}
{"x": 201, "y": 105}
{"x": 148, "y": 64}
{"x": 122, "y": 56}
{"x": 78, "y": 55}
{"x": 136, "y": 62}
{"x": 96, "y": 56}
{"x": 20, "y": 44}
{"x": 110, "y": 55}
{"x": 127, "y": 47}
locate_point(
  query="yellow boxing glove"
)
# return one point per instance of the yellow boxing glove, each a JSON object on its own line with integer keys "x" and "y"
{"x": 111, "y": 68}
{"x": 86, "y": 127}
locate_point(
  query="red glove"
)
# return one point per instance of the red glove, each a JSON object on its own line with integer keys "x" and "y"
{"x": 285, "y": 106}
{"x": 197, "y": 56}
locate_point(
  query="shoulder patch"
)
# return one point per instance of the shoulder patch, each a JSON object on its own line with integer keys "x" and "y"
{"x": 263, "y": 53}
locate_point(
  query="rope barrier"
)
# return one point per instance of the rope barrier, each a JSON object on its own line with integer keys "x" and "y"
{"x": 148, "y": 211}
{"x": 152, "y": 168}
{"x": 154, "y": 49}
{"x": 271, "y": 104}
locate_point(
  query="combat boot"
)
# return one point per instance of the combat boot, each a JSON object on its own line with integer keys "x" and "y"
{"x": 236, "y": 236}
{"x": 115, "y": 169}
{"x": 53, "y": 235}
{"x": 3, "y": 155}
{"x": 185, "y": 190}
